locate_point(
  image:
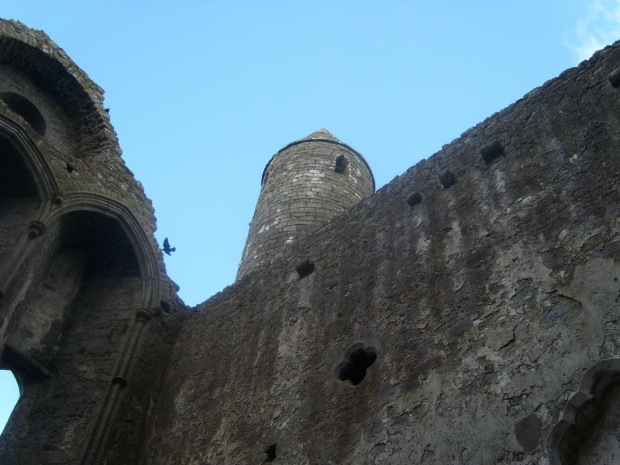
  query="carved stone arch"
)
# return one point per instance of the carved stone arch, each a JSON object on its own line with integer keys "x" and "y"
{"x": 80, "y": 321}
{"x": 27, "y": 184}
{"x": 90, "y": 239}
{"x": 36, "y": 163}
{"x": 142, "y": 246}
{"x": 583, "y": 411}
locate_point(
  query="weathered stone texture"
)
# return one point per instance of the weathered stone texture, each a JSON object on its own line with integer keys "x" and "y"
{"x": 304, "y": 185}
{"x": 602, "y": 446}
{"x": 486, "y": 302}
{"x": 59, "y": 130}
{"x": 467, "y": 312}
{"x": 32, "y": 52}
{"x": 88, "y": 316}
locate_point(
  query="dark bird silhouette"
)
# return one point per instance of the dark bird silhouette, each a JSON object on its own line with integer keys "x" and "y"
{"x": 167, "y": 247}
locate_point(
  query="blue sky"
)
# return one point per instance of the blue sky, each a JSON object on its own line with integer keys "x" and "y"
{"x": 203, "y": 93}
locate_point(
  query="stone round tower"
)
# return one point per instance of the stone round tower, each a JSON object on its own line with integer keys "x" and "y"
{"x": 304, "y": 186}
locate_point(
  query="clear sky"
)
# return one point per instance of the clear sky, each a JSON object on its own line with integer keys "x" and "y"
{"x": 203, "y": 93}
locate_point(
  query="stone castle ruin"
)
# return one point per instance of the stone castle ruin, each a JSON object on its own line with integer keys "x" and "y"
{"x": 465, "y": 313}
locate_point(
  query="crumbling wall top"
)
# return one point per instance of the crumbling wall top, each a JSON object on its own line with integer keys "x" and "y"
{"x": 32, "y": 52}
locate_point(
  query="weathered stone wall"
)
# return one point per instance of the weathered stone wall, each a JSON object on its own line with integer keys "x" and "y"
{"x": 485, "y": 280}
{"x": 37, "y": 322}
{"x": 19, "y": 201}
{"x": 453, "y": 317}
{"x": 80, "y": 145}
{"x": 33, "y": 53}
{"x": 71, "y": 332}
{"x": 59, "y": 130}
{"x": 603, "y": 447}
{"x": 52, "y": 418}
{"x": 88, "y": 316}
{"x": 304, "y": 185}
{"x": 137, "y": 405}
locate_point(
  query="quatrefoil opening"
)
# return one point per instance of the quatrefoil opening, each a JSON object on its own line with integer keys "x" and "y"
{"x": 354, "y": 369}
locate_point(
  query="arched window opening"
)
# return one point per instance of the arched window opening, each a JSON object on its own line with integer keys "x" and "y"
{"x": 341, "y": 164}
{"x": 26, "y": 109}
{"x": 10, "y": 395}
{"x": 91, "y": 268}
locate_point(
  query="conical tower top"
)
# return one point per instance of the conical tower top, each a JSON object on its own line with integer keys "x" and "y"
{"x": 322, "y": 134}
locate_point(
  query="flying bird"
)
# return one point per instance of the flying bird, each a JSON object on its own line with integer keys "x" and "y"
{"x": 167, "y": 247}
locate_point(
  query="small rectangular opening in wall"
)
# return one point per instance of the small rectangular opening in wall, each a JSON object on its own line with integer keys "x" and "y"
{"x": 614, "y": 78}
{"x": 414, "y": 199}
{"x": 270, "y": 453}
{"x": 447, "y": 178}
{"x": 304, "y": 268}
{"x": 492, "y": 151}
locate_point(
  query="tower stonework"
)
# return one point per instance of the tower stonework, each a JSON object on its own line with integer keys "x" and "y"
{"x": 304, "y": 185}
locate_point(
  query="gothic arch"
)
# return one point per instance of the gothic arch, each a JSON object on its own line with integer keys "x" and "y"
{"x": 26, "y": 187}
{"x": 147, "y": 261}
{"x": 40, "y": 171}
{"x": 582, "y": 411}
{"x": 88, "y": 233}
{"x": 99, "y": 277}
